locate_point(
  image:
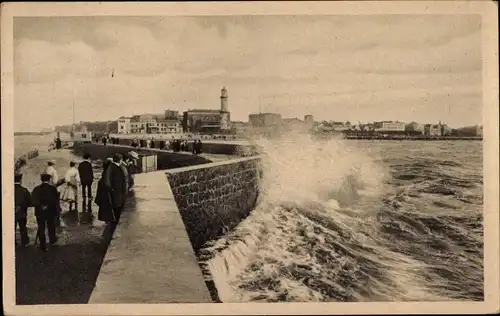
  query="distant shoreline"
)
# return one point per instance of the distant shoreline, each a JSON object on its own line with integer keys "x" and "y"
{"x": 347, "y": 137}
{"x": 31, "y": 133}
{"x": 414, "y": 138}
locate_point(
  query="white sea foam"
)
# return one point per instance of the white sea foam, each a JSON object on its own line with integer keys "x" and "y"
{"x": 316, "y": 177}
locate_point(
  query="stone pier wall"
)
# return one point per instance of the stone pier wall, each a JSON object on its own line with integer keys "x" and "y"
{"x": 166, "y": 160}
{"x": 209, "y": 146}
{"x": 214, "y": 198}
{"x": 23, "y": 159}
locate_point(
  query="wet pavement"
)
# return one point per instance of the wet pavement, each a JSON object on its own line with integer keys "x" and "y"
{"x": 149, "y": 260}
{"x": 67, "y": 272}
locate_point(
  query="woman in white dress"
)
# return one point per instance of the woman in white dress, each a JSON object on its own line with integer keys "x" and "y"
{"x": 72, "y": 180}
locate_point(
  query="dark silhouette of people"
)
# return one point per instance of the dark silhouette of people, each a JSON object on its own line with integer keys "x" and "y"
{"x": 104, "y": 140}
{"x": 175, "y": 145}
{"x": 86, "y": 176}
{"x": 197, "y": 145}
{"x": 103, "y": 198}
{"x": 58, "y": 143}
{"x": 135, "y": 144}
{"x": 116, "y": 182}
{"x": 45, "y": 198}
{"x": 22, "y": 201}
{"x": 152, "y": 144}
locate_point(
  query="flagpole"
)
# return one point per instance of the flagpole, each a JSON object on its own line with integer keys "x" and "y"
{"x": 73, "y": 129}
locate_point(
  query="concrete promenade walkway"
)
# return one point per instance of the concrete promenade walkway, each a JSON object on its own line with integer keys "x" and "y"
{"x": 150, "y": 259}
{"x": 211, "y": 157}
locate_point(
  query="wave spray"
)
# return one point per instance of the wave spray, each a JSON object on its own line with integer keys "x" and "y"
{"x": 315, "y": 234}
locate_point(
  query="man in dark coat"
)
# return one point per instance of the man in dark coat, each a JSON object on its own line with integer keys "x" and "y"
{"x": 103, "y": 198}
{"x": 116, "y": 181}
{"x": 197, "y": 146}
{"x": 46, "y": 199}
{"x": 22, "y": 200}
{"x": 86, "y": 176}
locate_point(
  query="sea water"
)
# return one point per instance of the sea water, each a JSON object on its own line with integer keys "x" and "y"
{"x": 358, "y": 221}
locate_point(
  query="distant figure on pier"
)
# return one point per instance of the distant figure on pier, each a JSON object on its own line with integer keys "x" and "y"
{"x": 104, "y": 140}
{"x": 115, "y": 181}
{"x": 197, "y": 146}
{"x": 45, "y": 199}
{"x": 152, "y": 143}
{"x": 22, "y": 201}
{"x": 103, "y": 198}
{"x": 178, "y": 146}
{"x": 133, "y": 167}
{"x": 135, "y": 143}
{"x": 86, "y": 176}
{"x": 58, "y": 143}
{"x": 70, "y": 193}
{"x": 148, "y": 143}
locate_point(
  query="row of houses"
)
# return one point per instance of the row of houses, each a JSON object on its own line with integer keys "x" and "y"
{"x": 193, "y": 121}
{"x": 166, "y": 123}
{"x": 171, "y": 121}
{"x": 275, "y": 119}
{"x": 439, "y": 129}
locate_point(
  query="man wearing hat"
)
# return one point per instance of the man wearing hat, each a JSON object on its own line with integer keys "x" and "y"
{"x": 116, "y": 181}
{"x": 22, "y": 200}
{"x": 46, "y": 199}
{"x": 86, "y": 176}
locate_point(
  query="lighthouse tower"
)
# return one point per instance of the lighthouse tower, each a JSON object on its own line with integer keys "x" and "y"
{"x": 225, "y": 121}
{"x": 223, "y": 100}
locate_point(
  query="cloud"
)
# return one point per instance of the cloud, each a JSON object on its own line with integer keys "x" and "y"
{"x": 292, "y": 64}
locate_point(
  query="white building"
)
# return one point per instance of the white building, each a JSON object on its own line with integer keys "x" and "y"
{"x": 309, "y": 120}
{"x": 150, "y": 124}
{"x": 340, "y": 126}
{"x": 124, "y": 126}
{"x": 415, "y": 127}
{"x": 432, "y": 130}
{"x": 445, "y": 130}
{"x": 390, "y": 126}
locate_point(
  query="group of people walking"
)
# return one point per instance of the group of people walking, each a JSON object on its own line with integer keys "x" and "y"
{"x": 112, "y": 189}
{"x": 175, "y": 145}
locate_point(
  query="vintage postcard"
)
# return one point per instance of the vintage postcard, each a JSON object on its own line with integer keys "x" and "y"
{"x": 247, "y": 158}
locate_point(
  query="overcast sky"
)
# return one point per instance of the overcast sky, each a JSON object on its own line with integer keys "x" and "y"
{"x": 357, "y": 68}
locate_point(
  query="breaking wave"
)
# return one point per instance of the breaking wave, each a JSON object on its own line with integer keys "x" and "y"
{"x": 356, "y": 221}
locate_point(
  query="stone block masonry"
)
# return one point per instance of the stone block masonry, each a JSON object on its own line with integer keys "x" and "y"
{"x": 215, "y": 197}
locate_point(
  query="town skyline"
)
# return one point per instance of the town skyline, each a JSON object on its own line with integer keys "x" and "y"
{"x": 427, "y": 71}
